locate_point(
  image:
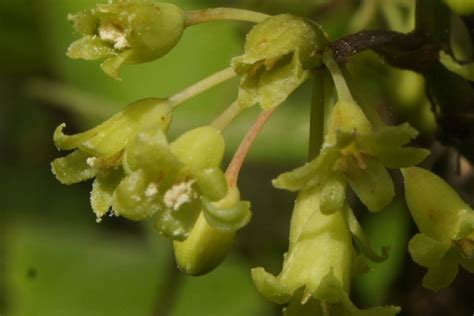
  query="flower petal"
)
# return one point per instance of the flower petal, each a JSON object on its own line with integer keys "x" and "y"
{"x": 84, "y": 22}
{"x": 133, "y": 198}
{"x": 442, "y": 273}
{"x": 373, "y": 185}
{"x": 313, "y": 173}
{"x": 90, "y": 47}
{"x": 114, "y": 134}
{"x": 361, "y": 240}
{"x": 426, "y": 251}
{"x": 103, "y": 189}
{"x": 73, "y": 168}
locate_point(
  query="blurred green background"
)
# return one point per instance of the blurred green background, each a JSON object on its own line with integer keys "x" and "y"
{"x": 54, "y": 258}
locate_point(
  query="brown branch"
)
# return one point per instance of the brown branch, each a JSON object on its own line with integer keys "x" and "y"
{"x": 407, "y": 51}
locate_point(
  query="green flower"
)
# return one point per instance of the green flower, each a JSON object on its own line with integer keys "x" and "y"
{"x": 213, "y": 234}
{"x": 278, "y": 52}
{"x": 126, "y": 32}
{"x": 175, "y": 182}
{"x": 99, "y": 152}
{"x": 446, "y": 224}
{"x": 314, "y": 279}
{"x": 353, "y": 152}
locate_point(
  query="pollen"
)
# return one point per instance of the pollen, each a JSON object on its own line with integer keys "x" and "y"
{"x": 114, "y": 34}
{"x": 151, "y": 190}
{"x": 179, "y": 194}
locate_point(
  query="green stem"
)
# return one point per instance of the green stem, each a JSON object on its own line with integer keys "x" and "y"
{"x": 201, "y": 86}
{"x": 223, "y": 120}
{"x": 329, "y": 100}
{"x": 343, "y": 92}
{"x": 217, "y": 14}
{"x": 316, "y": 123}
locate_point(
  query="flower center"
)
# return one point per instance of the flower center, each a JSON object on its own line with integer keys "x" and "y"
{"x": 114, "y": 34}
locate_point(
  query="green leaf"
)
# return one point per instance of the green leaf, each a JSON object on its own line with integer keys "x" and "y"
{"x": 73, "y": 168}
{"x": 373, "y": 185}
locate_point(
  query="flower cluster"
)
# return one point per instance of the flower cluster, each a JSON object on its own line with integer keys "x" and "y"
{"x": 139, "y": 174}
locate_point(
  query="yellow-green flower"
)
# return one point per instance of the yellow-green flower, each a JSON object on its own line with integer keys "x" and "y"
{"x": 446, "y": 224}
{"x": 316, "y": 273}
{"x": 175, "y": 181}
{"x": 126, "y": 32}
{"x": 278, "y": 52}
{"x": 353, "y": 152}
{"x": 99, "y": 152}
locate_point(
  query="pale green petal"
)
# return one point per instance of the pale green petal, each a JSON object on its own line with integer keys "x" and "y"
{"x": 333, "y": 194}
{"x": 271, "y": 88}
{"x": 200, "y": 148}
{"x": 373, "y": 185}
{"x": 347, "y": 117}
{"x": 392, "y": 157}
{"x": 396, "y": 136}
{"x": 150, "y": 151}
{"x": 227, "y": 218}
{"x": 135, "y": 198}
{"x": 313, "y": 173}
{"x": 84, "y": 22}
{"x": 270, "y": 287}
{"x": 426, "y": 251}
{"x": 103, "y": 189}
{"x": 204, "y": 249}
{"x": 73, "y": 168}
{"x": 114, "y": 134}
{"x": 111, "y": 66}
{"x": 442, "y": 273}
{"x": 90, "y": 47}
{"x": 437, "y": 209}
{"x": 212, "y": 183}
{"x": 361, "y": 240}
{"x": 465, "y": 71}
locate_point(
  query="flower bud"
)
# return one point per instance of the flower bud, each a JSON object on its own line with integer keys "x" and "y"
{"x": 213, "y": 234}
{"x": 126, "y": 32}
{"x": 277, "y": 53}
{"x": 446, "y": 225}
